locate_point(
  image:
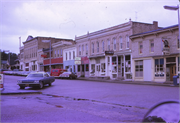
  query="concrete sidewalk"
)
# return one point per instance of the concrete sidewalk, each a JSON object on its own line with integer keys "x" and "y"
{"x": 168, "y": 84}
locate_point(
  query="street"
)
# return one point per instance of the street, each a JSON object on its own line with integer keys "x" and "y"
{"x": 83, "y": 101}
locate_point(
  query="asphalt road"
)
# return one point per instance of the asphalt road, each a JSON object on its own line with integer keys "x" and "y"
{"x": 83, "y": 101}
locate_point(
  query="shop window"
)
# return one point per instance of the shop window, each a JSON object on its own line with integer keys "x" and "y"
{"x": 79, "y": 68}
{"x": 114, "y": 69}
{"x": 92, "y": 69}
{"x": 87, "y": 67}
{"x": 139, "y": 68}
{"x": 114, "y": 62}
{"x": 128, "y": 63}
{"x": 159, "y": 67}
{"x": 103, "y": 67}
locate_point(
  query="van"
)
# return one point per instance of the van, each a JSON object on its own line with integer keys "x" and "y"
{"x": 57, "y": 72}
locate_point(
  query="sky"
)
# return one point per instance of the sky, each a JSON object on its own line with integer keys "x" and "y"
{"x": 70, "y": 18}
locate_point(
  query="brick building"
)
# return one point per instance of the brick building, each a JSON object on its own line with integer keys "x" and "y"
{"x": 108, "y": 52}
{"x": 156, "y": 55}
{"x": 35, "y": 55}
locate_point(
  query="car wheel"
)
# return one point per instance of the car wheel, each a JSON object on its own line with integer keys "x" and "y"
{"x": 49, "y": 84}
{"x": 41, "y": 85}
{"x": 22, "y": 87}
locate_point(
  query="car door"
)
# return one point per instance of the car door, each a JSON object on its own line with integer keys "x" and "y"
{"x": 46, "y": 76}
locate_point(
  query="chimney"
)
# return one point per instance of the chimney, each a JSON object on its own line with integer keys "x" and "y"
{"x": 155, "y": 23}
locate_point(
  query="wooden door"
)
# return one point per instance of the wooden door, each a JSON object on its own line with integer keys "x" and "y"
{"x": 172, "y": 72}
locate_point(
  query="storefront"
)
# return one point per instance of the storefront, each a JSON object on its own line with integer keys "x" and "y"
{"x": 82, "y": 66}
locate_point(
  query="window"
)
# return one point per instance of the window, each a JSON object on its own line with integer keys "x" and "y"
{"x": 127, "y": 63}
{"x": 73, "y": 54}
{"x": 86, "y": 49}
{"x": 178, "y": 42}
{"x": 102, "y": 46}
{"x": 108, "y": 45}
{"x": 159, "y": 67}
{"x": 140, "y": 47}
{"x": 152, "y": 46}
{"x": 79, "y": 49}
{"x": 69, "y": 55}
{"x": 139, "y": 68}
{"x": 66, "y": 56}
{"x": 127, "y": 42}
{"x": 114, "y": 43}
{"x": 103, "y": 67}
{"x": 58, "y": 54}
{"x": 97, "y": 47}
{"x": 82, "y": 49}
{"x": 61, "y": 52}
{"x": 92, "y": 68}
{"x": 178, "y": 63}
{"x": 120, "y": 43}
{"x": 92, "y": 47}
{"x": 55, "y": 53}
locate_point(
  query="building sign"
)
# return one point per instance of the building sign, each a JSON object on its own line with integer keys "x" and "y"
{"x": 84, "y": 60}
{"x": 109, "y": 52}
{"x": 77, "y": 60}
{"x": 165, "y": 47}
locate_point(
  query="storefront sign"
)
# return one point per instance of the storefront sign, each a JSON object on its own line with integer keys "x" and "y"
{"x": 77, "y": 62}
{"x": 109, "y": 52}
{"x": 77, "y": 58}
{"x": 165, "y": 47}
{"x": 84, "y": 60}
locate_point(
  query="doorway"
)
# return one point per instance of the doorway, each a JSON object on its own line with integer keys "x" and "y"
{"x": 170, "y": 71}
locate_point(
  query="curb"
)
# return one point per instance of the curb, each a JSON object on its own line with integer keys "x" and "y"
{"x": 14, "y": 93}
{"x": 131, "y": 82}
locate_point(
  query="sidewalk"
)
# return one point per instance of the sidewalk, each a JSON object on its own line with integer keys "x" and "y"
{"x": 168, "y": 84}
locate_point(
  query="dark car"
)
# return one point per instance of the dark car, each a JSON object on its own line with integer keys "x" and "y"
{"x": 68, "y": 75}
{"x": 36, "y": 79}
{"x": 2, "y": 70}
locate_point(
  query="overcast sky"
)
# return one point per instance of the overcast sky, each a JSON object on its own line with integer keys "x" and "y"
{"x": 67, "y": 18}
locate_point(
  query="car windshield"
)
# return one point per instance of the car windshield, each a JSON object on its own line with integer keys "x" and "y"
{"x": 67, "y": 73}
{"x": 35, "y": 75}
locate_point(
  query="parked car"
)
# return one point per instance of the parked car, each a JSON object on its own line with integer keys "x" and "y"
{"x": 36, "y": 79}
{"x": 57, "y": 72}
{"x": 68, "y": 75}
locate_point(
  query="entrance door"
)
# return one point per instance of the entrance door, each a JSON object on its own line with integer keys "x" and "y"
{"x": 172, "y": 71}
{"x": 97, "y": 69}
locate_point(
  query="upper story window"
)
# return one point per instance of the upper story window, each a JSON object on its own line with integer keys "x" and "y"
{"x": 114, "y": 43}
{"x": 108, "y": 45}
{"x": 127, "y": 42}
{"x": 140, "y": 47}
{"x": 102, "y": 46}
{"x": 82, "y": 49}
{"x": 97, "y": 47}
{"x": 61, "y": 52}
{"x": 120, "y": 43}
{"x": 151, "y": 46}
{"x": 79, "y": 49}
{"x": 55, "y": 53}
{"x": 58, "y": 53}
{"x": 178, "y": 42}
{"x": 92, "y": 47}
{"x": 66, "y": 56}
{"x": 69, "y": 55}
{"x": 73, "y": 54}
{"x": 86, "y": 49}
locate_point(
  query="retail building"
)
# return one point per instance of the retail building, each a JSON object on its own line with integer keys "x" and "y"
{"x": 155, "y": 55}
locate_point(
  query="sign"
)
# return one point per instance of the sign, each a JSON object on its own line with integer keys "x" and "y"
{"x": 165, "y": 47}
{"x": 77, "y": 58}
{"x": 77, "y": 62}
{"x": 109, "y": 52}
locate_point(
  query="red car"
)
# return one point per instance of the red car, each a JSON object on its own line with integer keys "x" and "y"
{"x": 57, "y": 72}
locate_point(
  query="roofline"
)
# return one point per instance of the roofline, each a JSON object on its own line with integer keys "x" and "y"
{"x": 153, "y": 31}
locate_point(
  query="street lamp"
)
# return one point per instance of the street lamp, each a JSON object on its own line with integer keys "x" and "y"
{"x": 174, "y": 8}
{"x": 49, "y": 41}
